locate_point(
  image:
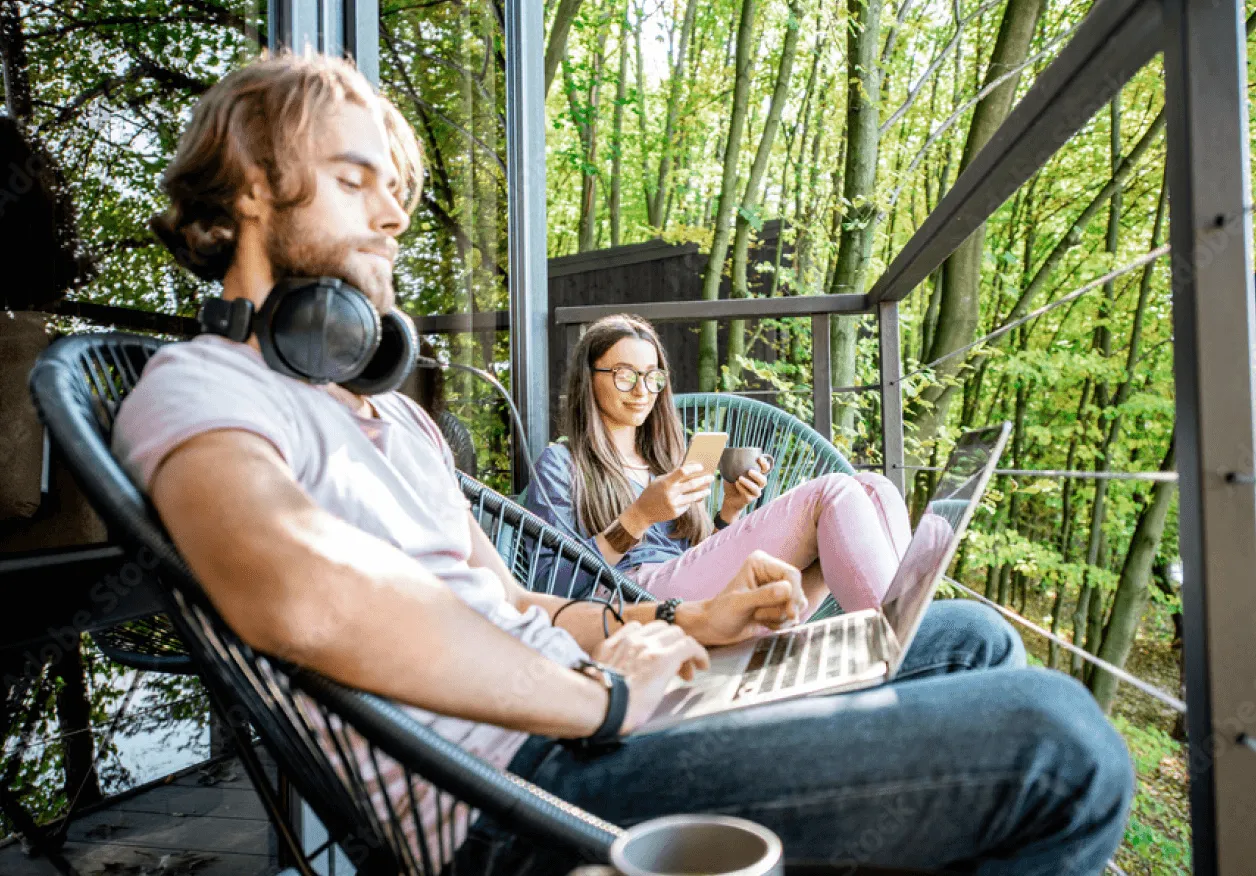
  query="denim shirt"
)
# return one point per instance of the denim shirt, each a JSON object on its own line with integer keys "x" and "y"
{"x": 554, "y": 472}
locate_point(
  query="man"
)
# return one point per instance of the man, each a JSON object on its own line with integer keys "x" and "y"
{"x": 327, "y": 527}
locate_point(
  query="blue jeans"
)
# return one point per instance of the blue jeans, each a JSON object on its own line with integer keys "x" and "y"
{"x": 1005, "y": 771}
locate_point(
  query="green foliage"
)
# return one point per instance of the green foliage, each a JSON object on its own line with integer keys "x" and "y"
{"x": 1157, "y": 837}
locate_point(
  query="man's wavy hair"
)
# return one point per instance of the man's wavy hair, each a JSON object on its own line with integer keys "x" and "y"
{"x": 267, "y": 115}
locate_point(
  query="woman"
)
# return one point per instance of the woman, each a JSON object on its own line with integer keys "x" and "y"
{"x": 619, "y": 477}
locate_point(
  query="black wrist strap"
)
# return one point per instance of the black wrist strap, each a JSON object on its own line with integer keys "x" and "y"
{"x": 616, "y": 711}
{"x": 720, "y": 522}
{"x": 606, "y": 736}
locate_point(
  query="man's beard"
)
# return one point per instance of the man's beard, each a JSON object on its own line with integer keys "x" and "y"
{"x": 296, "y": 251}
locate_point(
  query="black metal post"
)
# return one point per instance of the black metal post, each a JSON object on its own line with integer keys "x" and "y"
{"x": 1214, "y": 321}
{"x": 294, "y": 24}
{"x": 361, "y": 36}
{"x": 333, "y": 27}
{"x": 891, "y": 364}
{"x": 821, "y": 376}
{"x": 525, "y": 176}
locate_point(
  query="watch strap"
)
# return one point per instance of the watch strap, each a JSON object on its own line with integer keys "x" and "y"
{"x": 606, "y": 736}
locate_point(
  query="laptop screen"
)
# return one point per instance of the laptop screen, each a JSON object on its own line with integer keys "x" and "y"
{"x": 938, "y": 533}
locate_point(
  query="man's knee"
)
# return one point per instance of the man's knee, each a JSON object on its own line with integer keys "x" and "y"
{"x": 1086, "y": 764}
{"x": 979, "y": 631}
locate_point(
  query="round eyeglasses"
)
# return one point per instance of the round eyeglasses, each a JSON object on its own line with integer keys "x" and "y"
{"x": 626, "y": 377}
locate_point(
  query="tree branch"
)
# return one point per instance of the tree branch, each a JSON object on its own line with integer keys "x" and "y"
{"x": 914, "y": 91}
{"x": 959, "y": 111}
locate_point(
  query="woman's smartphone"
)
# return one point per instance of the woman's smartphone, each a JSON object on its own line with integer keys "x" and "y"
{"x": 706, "y": 448}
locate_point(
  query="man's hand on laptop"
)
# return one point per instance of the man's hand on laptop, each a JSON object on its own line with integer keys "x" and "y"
{"x": 649, "y": 657}
{"x": 765, "y": 592}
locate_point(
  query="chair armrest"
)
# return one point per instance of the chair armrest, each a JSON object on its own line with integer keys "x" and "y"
{"x": 496, "y": 792}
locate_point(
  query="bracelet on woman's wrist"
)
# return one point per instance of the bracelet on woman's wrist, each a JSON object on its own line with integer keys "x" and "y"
{"x": 619, "y": 538}
{"x": 720, "y": 522}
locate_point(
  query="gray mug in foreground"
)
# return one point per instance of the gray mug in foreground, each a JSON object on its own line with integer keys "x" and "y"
{"x": 711, "y": 845}
{"x": 736, "y": 461}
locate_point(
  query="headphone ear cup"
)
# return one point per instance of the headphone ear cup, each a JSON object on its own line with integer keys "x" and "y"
{"x": 317, "y": 330}
{"x": 393, "y": 360}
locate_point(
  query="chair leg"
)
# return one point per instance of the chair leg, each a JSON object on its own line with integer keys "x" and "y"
{"x": 290, "y": 852}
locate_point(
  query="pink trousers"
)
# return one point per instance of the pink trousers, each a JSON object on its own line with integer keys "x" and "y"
{"x": 850, "y": 529}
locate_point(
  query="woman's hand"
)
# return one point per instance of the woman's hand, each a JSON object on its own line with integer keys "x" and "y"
{"x": 748, "y": 488}
{"x": 668, "y": 497}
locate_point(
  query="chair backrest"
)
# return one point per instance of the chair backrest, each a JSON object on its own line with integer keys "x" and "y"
{"x": 338, "y": 747}
{"x": 543, "y": 558}
{"x": 800, "y": 452}
{"x": 458, "y": 436}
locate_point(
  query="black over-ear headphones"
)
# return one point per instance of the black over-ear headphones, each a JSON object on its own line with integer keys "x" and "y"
{"x": 321, "y": 330}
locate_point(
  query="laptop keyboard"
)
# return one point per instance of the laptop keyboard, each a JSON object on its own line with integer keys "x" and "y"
{"x": 812, "y": 653}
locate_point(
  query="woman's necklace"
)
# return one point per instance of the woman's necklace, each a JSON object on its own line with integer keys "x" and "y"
{"x": 638, "y": 474}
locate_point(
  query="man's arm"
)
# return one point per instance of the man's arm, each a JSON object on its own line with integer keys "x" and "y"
{"x": 583, "y": 621}
{"x": 295, "y": 581}
{"x": 773, "y": 597}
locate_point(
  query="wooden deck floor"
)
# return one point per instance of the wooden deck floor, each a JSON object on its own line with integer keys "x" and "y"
{"x": 205, "y": 821}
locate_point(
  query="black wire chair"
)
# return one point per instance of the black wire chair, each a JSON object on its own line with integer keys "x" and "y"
{"x": 458, "y": 436}
{"x": 543, "y": 558}
{"x": 364, "y": 764}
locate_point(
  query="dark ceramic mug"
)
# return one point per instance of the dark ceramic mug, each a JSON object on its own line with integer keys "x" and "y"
{"x": 736, "y": 461}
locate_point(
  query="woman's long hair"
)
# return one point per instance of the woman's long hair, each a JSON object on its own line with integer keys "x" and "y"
{"x": 601, "y": 490}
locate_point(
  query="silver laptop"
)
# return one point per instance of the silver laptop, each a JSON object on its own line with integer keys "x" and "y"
{"x": 856, "y": 650}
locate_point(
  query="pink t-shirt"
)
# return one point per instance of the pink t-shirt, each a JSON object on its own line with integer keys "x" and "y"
{"x": 392, "y": 477}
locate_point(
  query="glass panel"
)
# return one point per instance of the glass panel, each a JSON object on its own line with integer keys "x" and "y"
{"x": 443, "y": 66}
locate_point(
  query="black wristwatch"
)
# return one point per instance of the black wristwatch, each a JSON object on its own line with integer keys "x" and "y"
{"x": 666, "y": 610}
{"x": 606, "y": 736}
{"x": 720, "y": 522}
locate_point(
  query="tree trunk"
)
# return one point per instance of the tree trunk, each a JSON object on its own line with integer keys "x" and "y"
{"x": 858, "y": 207}
{"x": 658, "y": 197}
{"x": 586, "y": 121}
{"x": 17, "y": 83}
{"x": 74, "y": 720}
{"x": 1103, "y": 345}
{"x": 1131, "y": 592}
{"x": 1065, "y": 545}
{"x": 747, "y": 214}
{"x": 556, "y": 46}
{"x": 961, "y": 274}
{"x": 617, "y": 136}
{"x": 1018, "y": 447}
{"x": 708, "y": 352}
